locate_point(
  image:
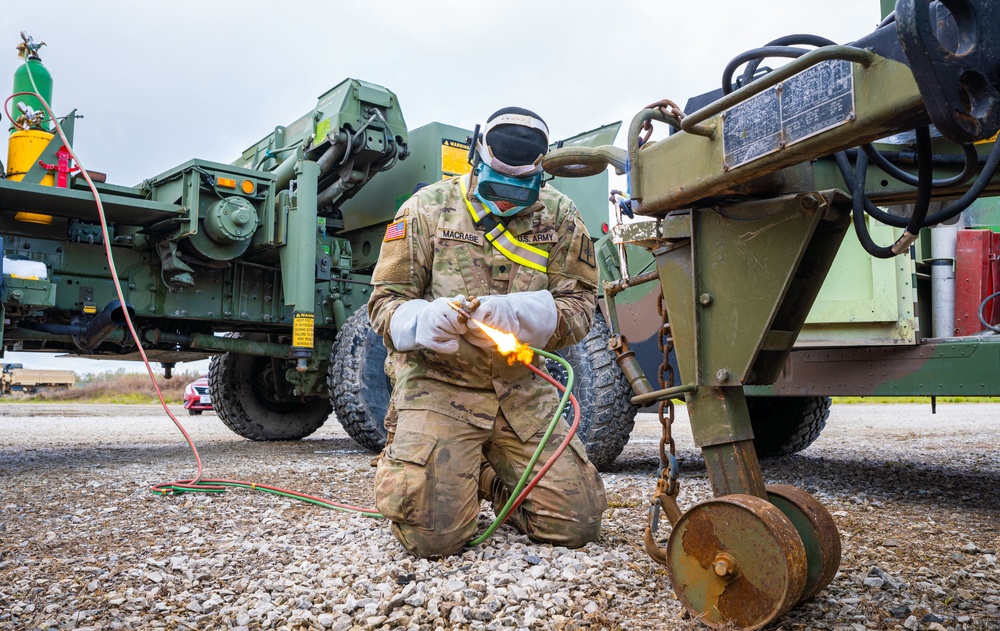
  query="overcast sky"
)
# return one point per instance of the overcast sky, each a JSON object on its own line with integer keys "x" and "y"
{"x": 159, "y": 83}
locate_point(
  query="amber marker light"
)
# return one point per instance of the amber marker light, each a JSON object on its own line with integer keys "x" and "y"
{"x": 507, "y": 344}
{"x": 247, "y": 186}
{"x": 225, "y": 182}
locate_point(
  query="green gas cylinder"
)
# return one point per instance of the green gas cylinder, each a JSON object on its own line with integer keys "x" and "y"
{"x": 22, "y": 83}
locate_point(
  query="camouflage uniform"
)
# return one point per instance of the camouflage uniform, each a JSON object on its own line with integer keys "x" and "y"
{"x": 454, "y": 409}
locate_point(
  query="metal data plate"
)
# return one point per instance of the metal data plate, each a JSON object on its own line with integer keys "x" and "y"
{"x": 815, "y": 100}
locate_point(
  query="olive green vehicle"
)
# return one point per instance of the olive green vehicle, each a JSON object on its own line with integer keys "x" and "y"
{"x": 262, "y": 264}
{"x": 744, "y": 296}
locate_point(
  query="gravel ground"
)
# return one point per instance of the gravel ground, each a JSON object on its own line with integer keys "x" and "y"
{"x": 84, "y": 544}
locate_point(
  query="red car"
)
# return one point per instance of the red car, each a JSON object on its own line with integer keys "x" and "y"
{"x": 197, "y": 398}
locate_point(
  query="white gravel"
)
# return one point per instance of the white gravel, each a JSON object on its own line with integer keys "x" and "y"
{"x": 85, "y": 545}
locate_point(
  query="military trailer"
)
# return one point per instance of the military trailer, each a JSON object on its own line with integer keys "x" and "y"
{"x": 748, "y": 205}
{"x": 905, "y": 327}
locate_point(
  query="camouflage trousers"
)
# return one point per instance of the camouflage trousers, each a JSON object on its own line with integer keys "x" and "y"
{"x": 427, "y": 484}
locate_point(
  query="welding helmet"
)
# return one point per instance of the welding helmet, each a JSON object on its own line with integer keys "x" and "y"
{"x": 507, "y": 159}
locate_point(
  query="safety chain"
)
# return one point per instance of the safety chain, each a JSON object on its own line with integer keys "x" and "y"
{"x": 667, "y": 487}
{"x": 665, "y": 409}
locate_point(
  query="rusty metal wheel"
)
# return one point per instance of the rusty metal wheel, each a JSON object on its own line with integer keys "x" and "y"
{"x": 736, "y": 560}
{"x": 817, "y": 530}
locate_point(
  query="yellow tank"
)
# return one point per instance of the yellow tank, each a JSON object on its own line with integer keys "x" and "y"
{"x": 22, "y": 153}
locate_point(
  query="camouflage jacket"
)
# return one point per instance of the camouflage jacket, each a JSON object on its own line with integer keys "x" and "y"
{"x": 443, "y": 253}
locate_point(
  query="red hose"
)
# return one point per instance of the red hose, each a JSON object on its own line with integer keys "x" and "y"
{"x": 112, "y": 268}
{"x": 562, "y": 446}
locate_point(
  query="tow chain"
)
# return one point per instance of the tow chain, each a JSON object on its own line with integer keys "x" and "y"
{"x": 666, "y": 107}
{"x": 667, "y": 487}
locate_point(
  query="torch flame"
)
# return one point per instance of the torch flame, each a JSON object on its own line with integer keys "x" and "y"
{"x": 507, "y": 344}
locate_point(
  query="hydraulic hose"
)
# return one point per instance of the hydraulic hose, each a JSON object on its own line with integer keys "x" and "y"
{"x": 982, "y": 312}
{"x": 780, "y": 47}
{"x": 985, "y": 176}
{"x": 948, "y": 212}
{"x": 968, "y": 170}
{"x": 919, "y": 209}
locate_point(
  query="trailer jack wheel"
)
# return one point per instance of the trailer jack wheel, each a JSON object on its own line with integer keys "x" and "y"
{"x": 736, "y": 560}
{"x": 817, "y": 530}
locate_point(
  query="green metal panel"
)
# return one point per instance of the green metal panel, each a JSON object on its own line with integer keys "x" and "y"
{"x": 983, "y": 213}
{"x": 955, "y": 367}
{"x": 374, "y": 94}
{"x": 62, "y": 202}
{"x": 33, "y": 293}
{"x": 298, "y": 256}
{"x": 864, "y": 300}
{"x": 590, "y": 193}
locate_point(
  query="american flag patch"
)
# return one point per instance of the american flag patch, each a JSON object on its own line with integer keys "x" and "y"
{"x": 395, "y": 231}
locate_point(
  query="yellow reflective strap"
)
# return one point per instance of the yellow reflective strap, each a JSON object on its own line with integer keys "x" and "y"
{"x": 503, "y": 240}
{"x": 527, "y": 246}
{"x": 465, "y": 197}
{"x": 499, "y": 244}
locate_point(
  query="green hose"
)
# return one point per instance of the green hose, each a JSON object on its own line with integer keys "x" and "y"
{"x": 538, "y": 452}
{"x": 218, "y": 486}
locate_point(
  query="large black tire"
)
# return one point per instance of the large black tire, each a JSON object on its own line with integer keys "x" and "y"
{"x": 359, "y": 388}
{"x": 786, "y": 425}
{"x": 246, "y": 399}
{"x": 606, "y": 414}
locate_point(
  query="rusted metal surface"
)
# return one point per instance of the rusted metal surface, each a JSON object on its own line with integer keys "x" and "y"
{"x": 626, "y": 361}
{"x": 736, "y": 560}
{"x": 734, "y": 468}
{"x": 669, "y": 109}
{"x": 667, "y": 486}
{"x": 665, "y": 499}
{"x": 817, "y": 530}
{"x": 660, "y": 395}
{"x": 624, "y": 283}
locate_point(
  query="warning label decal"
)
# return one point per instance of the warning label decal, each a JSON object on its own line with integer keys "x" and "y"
{"x": 454, "y": 158}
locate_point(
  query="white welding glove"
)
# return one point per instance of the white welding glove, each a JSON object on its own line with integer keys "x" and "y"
{"x": 432, "y": 325}
{"x": 530, "y": 315}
